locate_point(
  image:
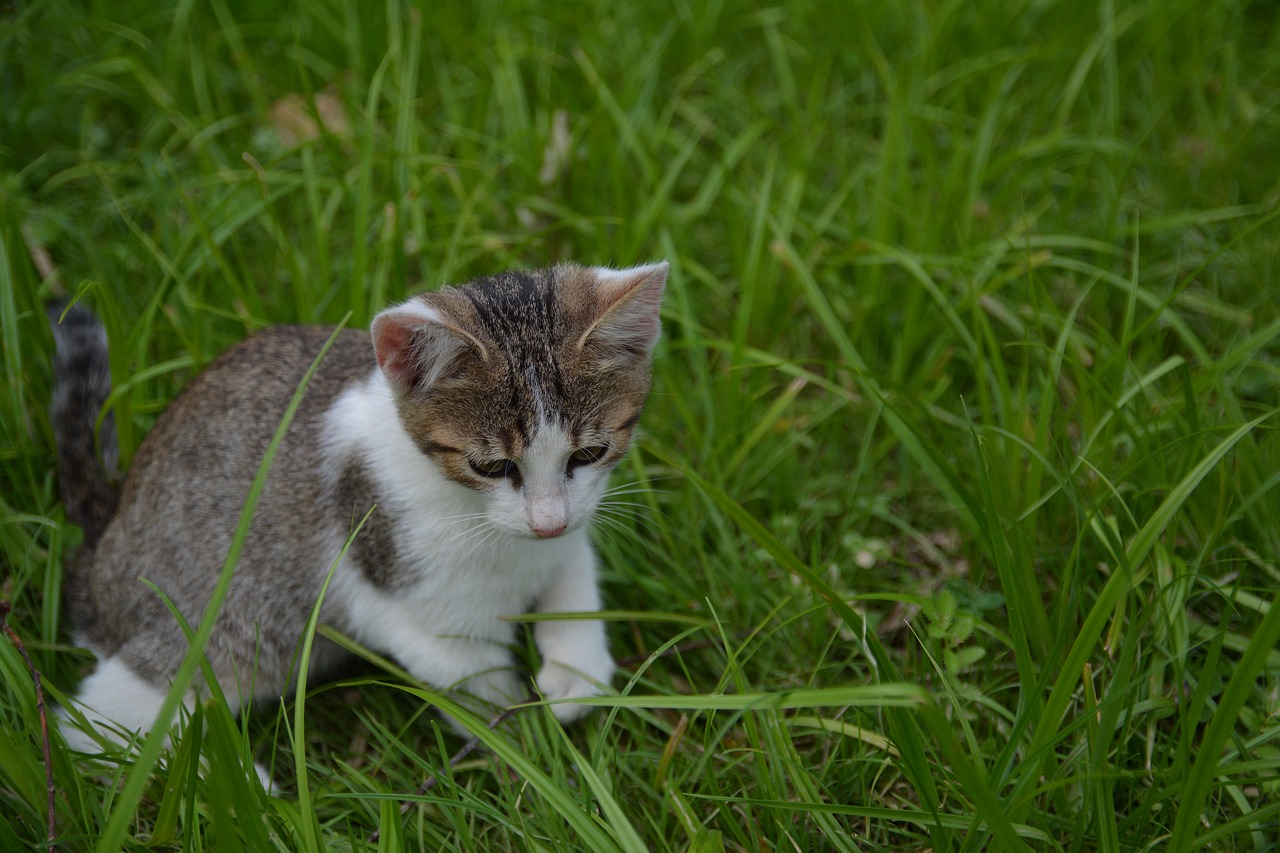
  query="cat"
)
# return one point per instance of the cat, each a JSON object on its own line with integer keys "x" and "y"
{"x": 479, "y": 422}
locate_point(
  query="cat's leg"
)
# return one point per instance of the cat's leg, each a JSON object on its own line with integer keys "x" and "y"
{"x": 575, "y": 654}
{"x": 482, "y": 669}
{"x": 395, "y": 625}
{"x": 118, "y": 703}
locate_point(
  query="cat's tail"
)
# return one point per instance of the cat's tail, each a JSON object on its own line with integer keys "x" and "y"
{"x": 82, "y": 382}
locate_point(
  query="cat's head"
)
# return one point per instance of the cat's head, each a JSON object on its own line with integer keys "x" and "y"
{"x": 526, "y": 386}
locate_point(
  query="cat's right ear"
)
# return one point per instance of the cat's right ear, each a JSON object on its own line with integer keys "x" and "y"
{"x": 418, "y": 343}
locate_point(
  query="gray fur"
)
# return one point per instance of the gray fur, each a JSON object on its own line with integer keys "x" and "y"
{"x": 375, "y": 548}
{"x": 82, "y": 384}
{"x": 184, "y": 494}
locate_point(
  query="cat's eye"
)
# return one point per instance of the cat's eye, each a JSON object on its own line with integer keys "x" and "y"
{"x": 587, "y": 455}
{"x": 494, "y": 468}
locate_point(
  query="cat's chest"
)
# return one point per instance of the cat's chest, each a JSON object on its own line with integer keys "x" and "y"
{"x": 447, "y": 585}
{"x": 435, "y": 552}
{"x": 418, "y": 540}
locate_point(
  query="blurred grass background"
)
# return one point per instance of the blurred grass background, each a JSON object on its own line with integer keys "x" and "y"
{"x": 969, "y": 365}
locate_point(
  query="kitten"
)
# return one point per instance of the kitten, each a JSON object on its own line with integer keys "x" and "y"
{"x": 481, "y": 423}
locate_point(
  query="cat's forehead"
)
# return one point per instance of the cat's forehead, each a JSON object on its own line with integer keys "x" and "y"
{"x": 531, "y": 321}
{"x": 525, "y": 310}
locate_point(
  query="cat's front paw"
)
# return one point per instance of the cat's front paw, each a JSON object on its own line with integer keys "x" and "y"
{"x": 481, "y": 694}
{"x": 497, "y": 688}
{"x": 576, "y": 677}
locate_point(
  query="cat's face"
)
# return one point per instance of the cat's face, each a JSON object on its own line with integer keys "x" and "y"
{"x": 526, "y": 387}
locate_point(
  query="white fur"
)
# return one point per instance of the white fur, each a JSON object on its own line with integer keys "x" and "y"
{"x": 608, "y": 276}
{"x": 117, "y": 702}
{"x": 122, "y": 706}
{"x": 474, "y": 560}
{"x": 421, "y": 309}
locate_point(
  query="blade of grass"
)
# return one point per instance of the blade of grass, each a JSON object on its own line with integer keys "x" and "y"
{"x": 615, "y": 817}
{"x": 310, "y": 827}
{"x": 1221, "y": 724}
{"x": 860, "y": 696}
{"x": 1119, "y": 585}
{"x": 589, "y": 828}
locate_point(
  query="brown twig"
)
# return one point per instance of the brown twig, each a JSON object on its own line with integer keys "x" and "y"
{"x": 44, "y": 733}
{"x": 41, "y": 259}
{"x": 467, "y": 748}
{"x": 456, "y": 759}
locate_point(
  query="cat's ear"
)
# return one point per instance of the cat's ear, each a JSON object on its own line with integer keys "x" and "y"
{"x": 627, "y": 304}
{"x": 420, "y": 342}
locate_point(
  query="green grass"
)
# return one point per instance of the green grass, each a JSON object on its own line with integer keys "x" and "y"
{"x": 956, "y": 522}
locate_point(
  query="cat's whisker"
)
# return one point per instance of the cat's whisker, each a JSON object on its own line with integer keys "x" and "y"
{"x": 645, "y": 485}
{"x": 605, "y": 527}
{"x": 634, "y": 491}
{"x": 639, "y": 488}
{"x": 621, "y": 516}
{"x": 656, "y": 478}
{"x": 627, "y": 517}
{"x": 476, "y": 537}
{"x": 613, "y": 518}
{"x": 629, "y": 508}
{"x": 462, "y": 519}
{"x": 490, "y": 537}
{"x": 609, "y": 500}
{"x": 612, "y": 524}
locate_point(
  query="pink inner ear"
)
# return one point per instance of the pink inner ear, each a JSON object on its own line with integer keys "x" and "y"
{"x": 418, "y": 342}
{"x": 393, "y": 343}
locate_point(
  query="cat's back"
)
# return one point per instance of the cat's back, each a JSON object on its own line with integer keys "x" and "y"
{"x": 190, "y": 477}
{"x": 187, "y": 485}
{"x": 227, "y": 415}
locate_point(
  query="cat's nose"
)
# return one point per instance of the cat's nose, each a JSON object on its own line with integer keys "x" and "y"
{"x": 548, "y": 515}
{"x": 549, "y": 532}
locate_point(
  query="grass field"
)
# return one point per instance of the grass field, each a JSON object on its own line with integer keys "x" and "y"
{"x": 956, "y": 514}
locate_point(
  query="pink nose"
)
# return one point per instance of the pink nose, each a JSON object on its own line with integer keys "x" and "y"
{"x": 549, "y": 532}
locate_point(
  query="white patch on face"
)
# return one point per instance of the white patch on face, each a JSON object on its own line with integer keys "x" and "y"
{"x": 549, "y": 502}
{"x": 546, "y": 486}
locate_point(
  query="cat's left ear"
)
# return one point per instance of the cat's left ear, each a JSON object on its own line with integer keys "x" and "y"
{"x": 628, "y": 303}
{"x": 421, "y": 341}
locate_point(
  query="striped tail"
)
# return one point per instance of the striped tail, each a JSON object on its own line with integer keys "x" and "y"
{"x": 82, "y": 382}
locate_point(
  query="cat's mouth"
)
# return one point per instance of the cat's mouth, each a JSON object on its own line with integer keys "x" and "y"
{"x": 550, "y": 532}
